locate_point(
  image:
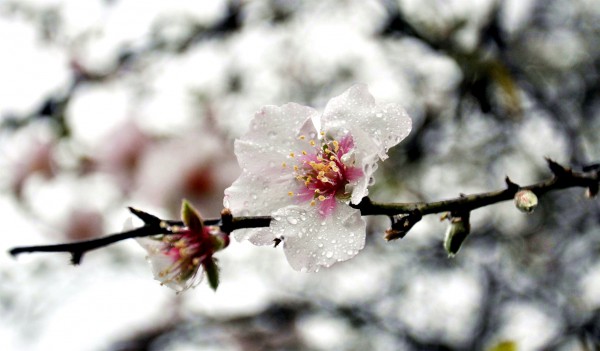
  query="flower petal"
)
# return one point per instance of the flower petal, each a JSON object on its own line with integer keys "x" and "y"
{"x": 161, "y": 264}
{"x": 258, "y": 195}
{"x": 374, "y": 129}
{"x": 272, "y": 137}
{"x": 386, "y": 125}
{"x": 311, "y": 241}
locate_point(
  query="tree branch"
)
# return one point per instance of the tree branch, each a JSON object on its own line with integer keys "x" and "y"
{"x": 402, "y": 215}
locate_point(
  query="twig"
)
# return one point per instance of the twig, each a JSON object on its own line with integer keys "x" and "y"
{"x": 403, "y": 215}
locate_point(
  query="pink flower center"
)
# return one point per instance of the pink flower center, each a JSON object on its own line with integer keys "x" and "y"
{"x": 324, "y": 173}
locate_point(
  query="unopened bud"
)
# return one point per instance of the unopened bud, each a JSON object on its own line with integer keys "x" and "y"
{"x": 457, "y": 232}
{"x": 526, "y": 201}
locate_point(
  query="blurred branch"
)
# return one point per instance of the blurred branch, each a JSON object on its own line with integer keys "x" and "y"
{"x": 403, "y": 215}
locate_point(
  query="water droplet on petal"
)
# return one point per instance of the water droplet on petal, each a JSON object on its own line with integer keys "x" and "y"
{"x": 329, "y": 254}
{"x": 292, "y": 220}
{"x": 320, "y": 245}
{"x": 333, "y": 241}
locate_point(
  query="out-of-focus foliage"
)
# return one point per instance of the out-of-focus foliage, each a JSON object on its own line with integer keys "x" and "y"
{"x": 106, "y": 104}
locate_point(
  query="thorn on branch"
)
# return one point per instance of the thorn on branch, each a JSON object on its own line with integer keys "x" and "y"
{"x": 558, "y": 170}
{"x": 401, "y": 224}
{"x": 147, "y": 218}
{"x": 510, "y": 185}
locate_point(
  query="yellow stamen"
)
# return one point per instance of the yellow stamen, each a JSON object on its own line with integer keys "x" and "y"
{"x": 312, "y": 203}
{"x": 292, "y": 155}
{"x": 322, "y": 133}
{"x": 321, "y": 198}
{"x": 336, "y": 145}
{"x": 301, "y": 137}
{"x": 303, "y": 152}
{"x": 312, "y": 143}
{"x": 290, "y": 193}
{"x": 283, "y": 164}
{"x": 296, "y": 168}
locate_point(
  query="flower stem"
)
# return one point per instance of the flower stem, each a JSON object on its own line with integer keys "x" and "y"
{"x": 562, "y": 178}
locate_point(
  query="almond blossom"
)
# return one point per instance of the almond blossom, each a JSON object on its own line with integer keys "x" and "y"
{"x": 178, "y": 260}
{"x": 305, "y": 169}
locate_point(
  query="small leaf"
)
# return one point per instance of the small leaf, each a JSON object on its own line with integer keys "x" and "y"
{"x": 191, "y": 218}
{"x": 505, "y": 345}
{"x": 212, "y": 272}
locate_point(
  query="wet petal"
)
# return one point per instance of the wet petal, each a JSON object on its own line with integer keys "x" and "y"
{"x": 374, "y": 129}
{"x": 272, "y": 137}
{"x": 163, "y": 266}
{"x": 254, "y": 195}
{"x": 311, "y": 241}
{"x": 355, "y": 110}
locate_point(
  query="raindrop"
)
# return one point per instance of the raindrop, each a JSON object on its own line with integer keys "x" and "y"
{"x": 350, "y": 252}
{"x": 333, "y": 241}
{"x": 379, "y": 115}
{"x": 329, "y": 254}
{"x": 292, "y": 220}
{"x": 323, "y": 223}
{"x": 254, "y": 197}
{"x": 320, "y": 245}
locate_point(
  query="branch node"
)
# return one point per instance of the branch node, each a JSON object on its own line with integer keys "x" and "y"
{"x": 226, "y": 221}
{"x": 401, "y": 224}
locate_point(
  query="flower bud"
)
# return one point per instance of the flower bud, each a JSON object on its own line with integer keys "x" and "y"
{"x": 526, "y": 201}
{"x": 456, "y": 234}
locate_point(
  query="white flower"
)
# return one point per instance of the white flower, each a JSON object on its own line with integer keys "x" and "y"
{"x": 304, "y": 169}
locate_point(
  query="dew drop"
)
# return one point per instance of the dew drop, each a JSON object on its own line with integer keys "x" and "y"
{"x": 350, "y": 252}
{"x": 323, "y": 223}
{"x": 292, "y": 220}
{"x": 333, "y": 241}
{"x": 320, "y": 245}
{"x": 329, "y": 254}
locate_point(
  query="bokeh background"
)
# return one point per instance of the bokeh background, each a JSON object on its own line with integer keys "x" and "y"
{"x": 112, "y": 103}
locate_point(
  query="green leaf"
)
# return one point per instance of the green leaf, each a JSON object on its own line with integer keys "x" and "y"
{"x": 190, "y": 216}
{"x": 212, "y": 272}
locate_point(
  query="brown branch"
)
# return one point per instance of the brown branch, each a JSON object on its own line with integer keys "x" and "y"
{"x": 403, "y": 215}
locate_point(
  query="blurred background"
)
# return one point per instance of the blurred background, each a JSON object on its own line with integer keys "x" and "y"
{"x": 112, "y": 103}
